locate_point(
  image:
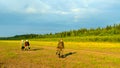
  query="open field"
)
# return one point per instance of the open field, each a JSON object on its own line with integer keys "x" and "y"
{"x": 42, "y": 55}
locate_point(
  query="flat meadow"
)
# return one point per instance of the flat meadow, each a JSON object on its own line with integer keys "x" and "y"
{"x": 42, "y": 55}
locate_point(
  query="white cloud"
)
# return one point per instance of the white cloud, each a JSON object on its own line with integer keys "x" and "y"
{"x": 64, "y": 12}
{"x": 75, "y": 10}
{"x": 28, "y": 6}
{"x": 31, "y": 10}
{"x": 75, "y": 7}
{"x": 100, "y": 4}
{"x": 60, "y": 12}
{"x": 37, "y": 7}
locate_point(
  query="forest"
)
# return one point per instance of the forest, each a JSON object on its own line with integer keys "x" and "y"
{"x": 109, "y": 33}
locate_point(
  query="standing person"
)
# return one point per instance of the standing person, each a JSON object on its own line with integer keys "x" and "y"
{"x": 60, "y": 48}
{"x": 27, "y": 45}
{"x": 22, "y": 43}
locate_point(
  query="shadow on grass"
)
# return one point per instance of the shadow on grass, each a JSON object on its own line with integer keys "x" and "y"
{"x": 67, "y": 54}
{"x": 33, "y": 49}
{"x": 36, "y": 49}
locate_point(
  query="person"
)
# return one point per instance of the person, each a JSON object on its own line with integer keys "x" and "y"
{"x": 27, "y": 45}
{"x": 60, "y": 48}
{"x": 22, "y": 43}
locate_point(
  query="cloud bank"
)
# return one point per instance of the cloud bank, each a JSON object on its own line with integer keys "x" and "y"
{"x": 65, "y": 14}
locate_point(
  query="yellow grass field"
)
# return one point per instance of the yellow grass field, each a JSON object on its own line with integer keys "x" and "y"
{"x": 42, "y": 55}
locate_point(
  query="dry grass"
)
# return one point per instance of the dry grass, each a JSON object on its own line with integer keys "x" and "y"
{"x": 42, "y": 55}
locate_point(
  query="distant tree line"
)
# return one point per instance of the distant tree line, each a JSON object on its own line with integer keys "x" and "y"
{"x": 106, "y": 31}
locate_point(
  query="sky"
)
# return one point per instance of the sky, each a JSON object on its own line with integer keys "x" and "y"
{"x": 50, "y": 16}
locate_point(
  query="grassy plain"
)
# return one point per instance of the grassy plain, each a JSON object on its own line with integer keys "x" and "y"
{"x": 42, "y": 55}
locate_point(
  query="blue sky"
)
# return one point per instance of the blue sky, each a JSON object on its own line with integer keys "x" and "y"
{"x": 45, "y": 16}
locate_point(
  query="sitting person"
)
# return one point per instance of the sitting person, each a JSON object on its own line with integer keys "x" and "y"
{"x": 27, "y": 45}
